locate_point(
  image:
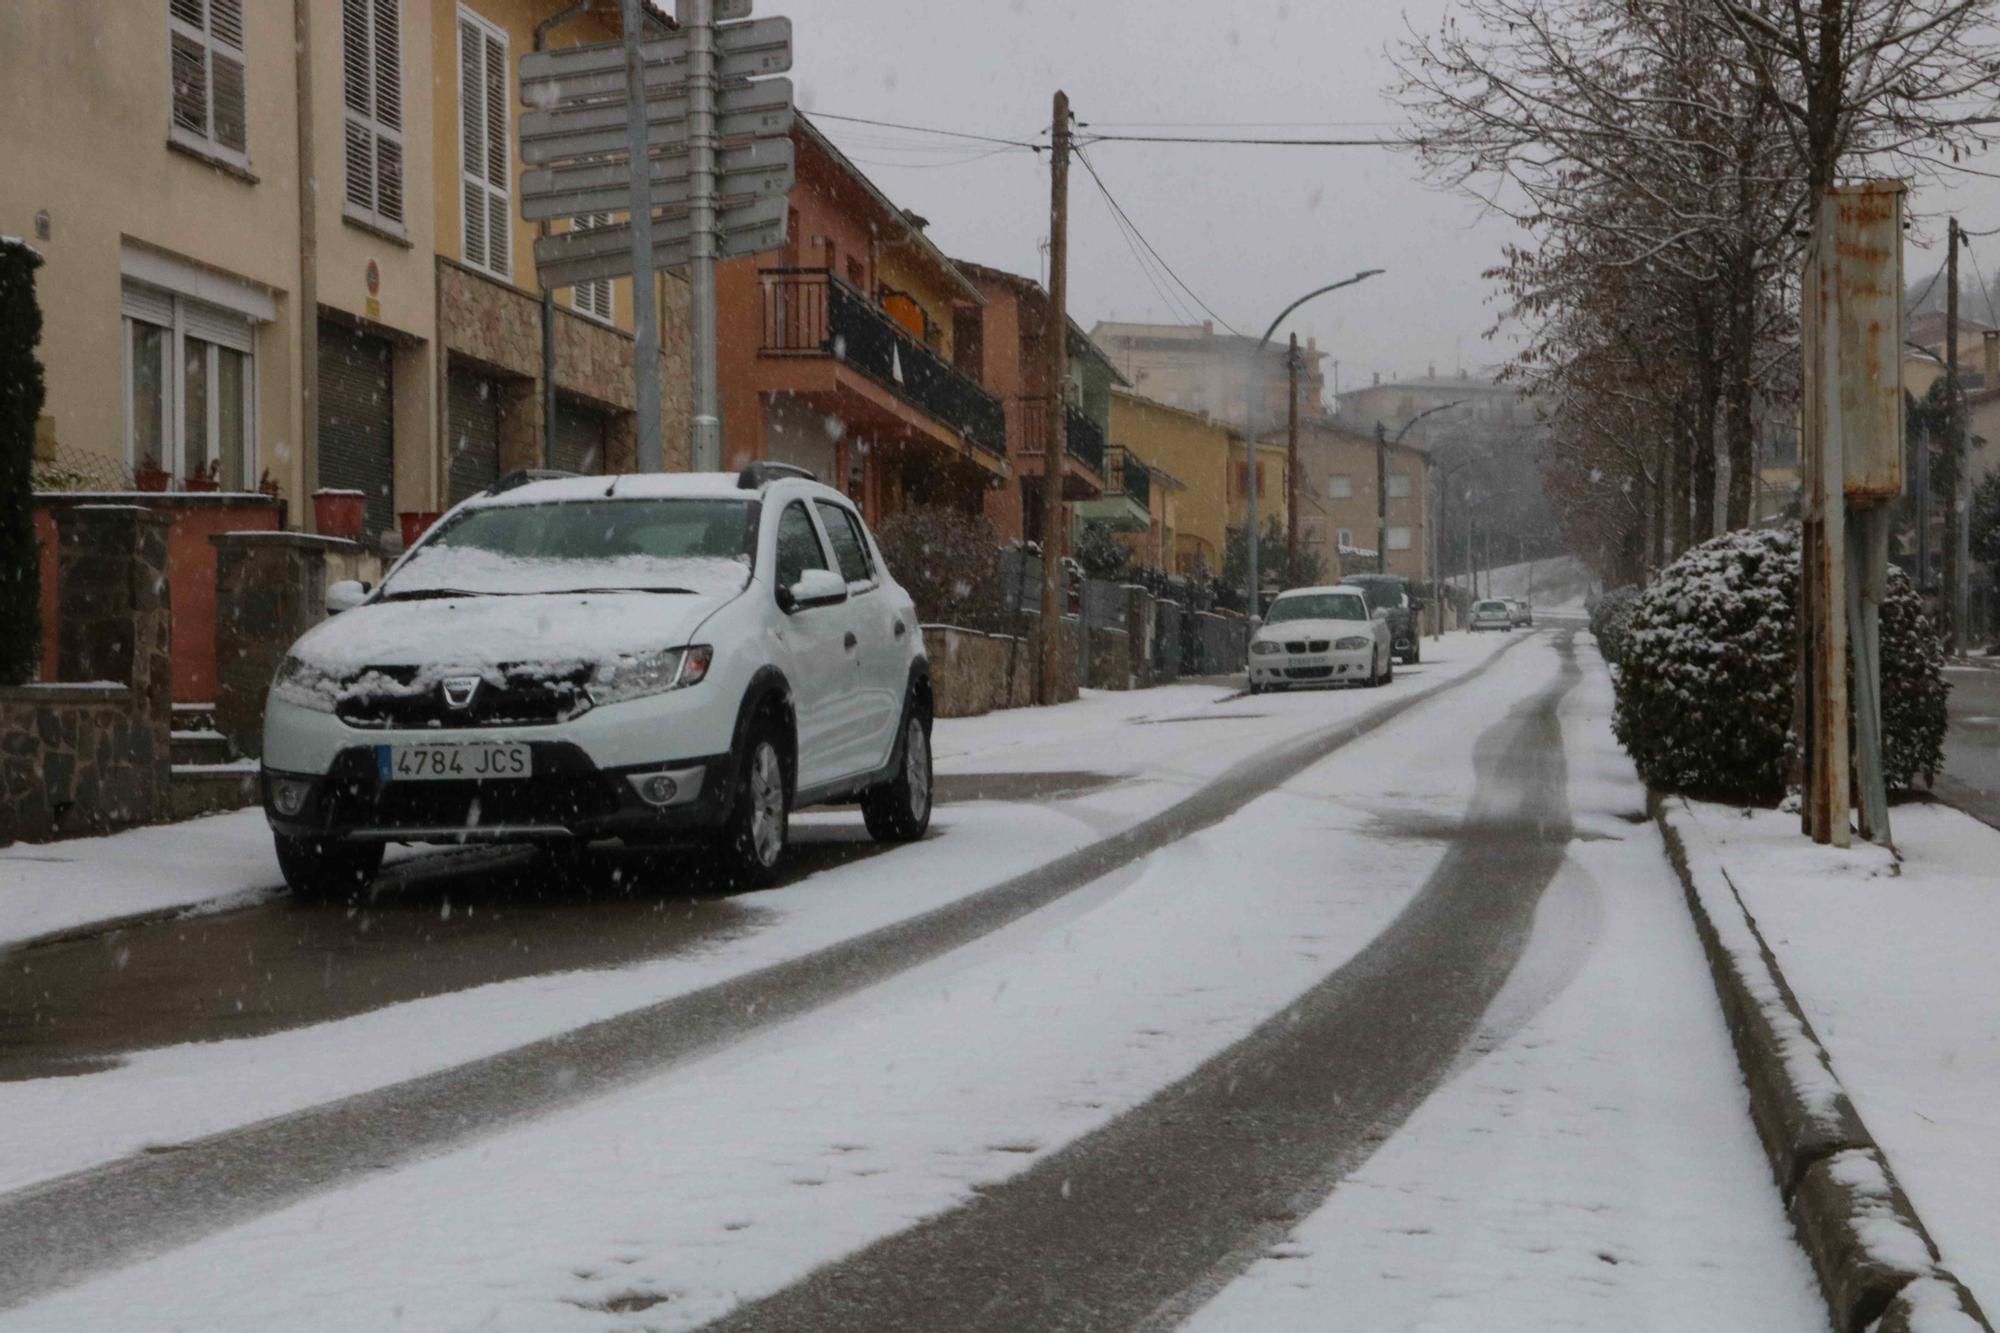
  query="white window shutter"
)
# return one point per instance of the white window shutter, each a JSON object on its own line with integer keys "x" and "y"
{"x": 592, "y": 298}
{"x": 205, "y": 47}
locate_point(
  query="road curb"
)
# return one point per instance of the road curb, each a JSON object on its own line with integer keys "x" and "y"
{"x": 1871, "y": 1252}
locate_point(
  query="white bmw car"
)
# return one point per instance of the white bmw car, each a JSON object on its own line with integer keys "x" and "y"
{"x": 1321, "y": 636}
{"x": 646, "y": 658}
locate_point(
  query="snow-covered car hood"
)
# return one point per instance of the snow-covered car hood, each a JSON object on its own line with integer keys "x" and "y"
{"x": 484, "y": 632}
{"x": 1286, "y": 630}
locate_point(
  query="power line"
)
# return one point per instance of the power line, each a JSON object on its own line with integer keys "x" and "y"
{"x": 1984, "y": 290}
{"x": 925, "y": 129}
{"x": 1268, "y": 142}
{"x": 1150, "y": 249}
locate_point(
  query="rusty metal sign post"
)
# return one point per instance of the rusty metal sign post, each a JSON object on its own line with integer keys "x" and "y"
{"x": 1852, "y": 417}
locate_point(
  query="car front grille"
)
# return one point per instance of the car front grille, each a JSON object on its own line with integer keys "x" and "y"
{"x": 1307, "y": 645}
{"x": 1308, "y": 673}
{"x": 527, "y": 697}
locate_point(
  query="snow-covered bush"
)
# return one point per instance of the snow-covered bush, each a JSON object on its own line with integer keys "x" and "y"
{"x": 1611, "y": 617}
{"x": 948, "y": 561}
{"x": 1709, "y": 662}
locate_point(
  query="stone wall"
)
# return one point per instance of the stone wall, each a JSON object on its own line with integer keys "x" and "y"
{"x": 499, "y": 327}
{"x": 92, "y": 755}
{"x": 1221, "y": 643}
{"x": 971, "y": 672}
{"x": 1110, "y": 659}
{"x": 1140, "y": 627}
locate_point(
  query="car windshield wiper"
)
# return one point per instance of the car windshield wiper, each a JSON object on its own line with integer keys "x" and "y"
{"x": 629, "y": 588}
{"x": 425, "y": 594}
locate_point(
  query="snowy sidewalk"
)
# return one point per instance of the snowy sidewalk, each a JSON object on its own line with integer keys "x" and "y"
{"x": 1892, "y": 964}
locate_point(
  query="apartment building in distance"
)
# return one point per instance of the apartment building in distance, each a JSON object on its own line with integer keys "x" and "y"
{"x": 1196, "y": 369}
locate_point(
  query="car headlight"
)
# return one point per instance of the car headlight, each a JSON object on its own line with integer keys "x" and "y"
{"x": 1263, "y": 647}
{"x": 303, "y": 685}
{"x": 643, "y": 674}
{"x": 1350, "y": 643}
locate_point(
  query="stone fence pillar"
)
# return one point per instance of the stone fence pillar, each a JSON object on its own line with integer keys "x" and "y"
{"x": 116, "y": 623}
{"x": 270, "y": 587}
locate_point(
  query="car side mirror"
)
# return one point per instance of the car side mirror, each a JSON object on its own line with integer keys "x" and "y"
{"x": 345, "y": 595}
{"x": 816, "y": 587}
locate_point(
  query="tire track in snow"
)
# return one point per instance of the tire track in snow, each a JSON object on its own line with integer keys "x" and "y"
{"x": 1135, "y": 1225}
{"x": 62, "y": 1231}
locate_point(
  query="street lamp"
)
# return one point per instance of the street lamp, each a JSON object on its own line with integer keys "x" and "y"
{"x": 1253, "y": 605}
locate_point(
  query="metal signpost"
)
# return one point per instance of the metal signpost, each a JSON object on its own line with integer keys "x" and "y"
{"x": 1852, "y": 412}
{"x": 683, "y": 131}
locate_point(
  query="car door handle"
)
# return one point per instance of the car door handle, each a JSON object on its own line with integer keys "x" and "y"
{"x": 851, "y": 640}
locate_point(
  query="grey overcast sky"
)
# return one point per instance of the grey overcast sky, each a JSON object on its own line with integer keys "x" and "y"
{"x": 1248, "y": 228}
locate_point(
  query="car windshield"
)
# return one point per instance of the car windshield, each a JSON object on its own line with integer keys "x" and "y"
{"x": 1318, "y": 606}
{"x": 672, "y": 545}
{"x": 1491, "y": 606}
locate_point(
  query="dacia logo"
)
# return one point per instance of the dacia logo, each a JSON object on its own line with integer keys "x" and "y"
{"x": 458, "y": 690}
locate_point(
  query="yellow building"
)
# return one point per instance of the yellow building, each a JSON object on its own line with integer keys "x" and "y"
{"x": 1337, "y": 501}
{"x": 1209, "y": 462}
{"x": 228, "y": 298}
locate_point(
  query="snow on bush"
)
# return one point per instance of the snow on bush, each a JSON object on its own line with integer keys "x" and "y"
{"x": 949, "y": 563}
{"x": 1611, "y": 617}
{"x": 1707, "y": 669}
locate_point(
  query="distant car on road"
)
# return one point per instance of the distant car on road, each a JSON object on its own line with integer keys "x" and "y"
{"x": 1322, "y": 636}
{"x": 1524, "y": 614}
{"x": 645, "y": 658}
{"x": 1391, "y": 593}
{"x": 1493, "y": 613}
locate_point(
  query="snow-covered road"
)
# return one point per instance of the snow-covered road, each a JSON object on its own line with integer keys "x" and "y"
{"x": 1598, "y": 1113}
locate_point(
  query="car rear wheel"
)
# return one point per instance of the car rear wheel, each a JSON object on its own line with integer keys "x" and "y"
{"x": 752, "y": 843}
{"x": 320, "y": 869}
{"x": 900, "y": 810}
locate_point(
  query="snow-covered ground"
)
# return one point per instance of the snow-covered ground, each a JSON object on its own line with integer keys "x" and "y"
{"x": 1594, "y": 1171}
{"x": 1159, "y": 744}
{"x": 1596, "y": 1168}
{"x": 1893, "y": 964}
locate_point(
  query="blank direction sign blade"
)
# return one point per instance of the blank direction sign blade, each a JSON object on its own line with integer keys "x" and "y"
{"x": 752, "y": 110}
{"x": 742, "y": 51}
{"x": 761, "y": 167}
{"x": 675, "y": 253}
{"x": 601, "y": 241}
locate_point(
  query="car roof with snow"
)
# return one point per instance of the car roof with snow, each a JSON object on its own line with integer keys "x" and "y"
{"x": 555, "y": 488}
{"x": 1324, "y": 589}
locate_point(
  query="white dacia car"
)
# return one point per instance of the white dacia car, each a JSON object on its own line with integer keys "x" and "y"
{"x": 567, "y": 659}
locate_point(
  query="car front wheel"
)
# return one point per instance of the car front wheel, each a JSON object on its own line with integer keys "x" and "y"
{"x": 324, "y": 870}
{"x": 752, "y": 843}
{"x": 900, "y": 810}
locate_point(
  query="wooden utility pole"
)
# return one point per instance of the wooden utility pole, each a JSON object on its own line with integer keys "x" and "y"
{"x": 1056, "y": 437}
{"x": 1954, "y": 449}
{"x": 1292, "y": 460}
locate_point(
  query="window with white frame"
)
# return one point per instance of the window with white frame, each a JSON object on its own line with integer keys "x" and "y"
{"x": 371, "y": 45}
{"x": 591, "y": 298}
{"x": 484, "y": 155}
{"x": 1345, "y": 537}
{"x": 1399, "y": 486}
{"x": 1399, "y": 539}
{"x": 190, "y": 388}
{"x": 1340, "y": 487}
{"x": 206, "y": 62}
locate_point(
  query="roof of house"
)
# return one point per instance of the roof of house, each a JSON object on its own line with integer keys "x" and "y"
{"x": 1030, "y": 289}
{"x": 1234, "y": 432}
{"x": 900, "y": 217}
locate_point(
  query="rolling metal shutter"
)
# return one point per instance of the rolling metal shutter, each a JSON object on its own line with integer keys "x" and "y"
{"x": 475, "y": 433}
{"x": 579, "y": 442}
{"x": 357, "y": 437}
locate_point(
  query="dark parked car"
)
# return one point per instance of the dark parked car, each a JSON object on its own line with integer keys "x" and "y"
{"x": 1391, "y": 593}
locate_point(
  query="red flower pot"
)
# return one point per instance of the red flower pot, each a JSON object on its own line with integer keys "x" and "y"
{"x": 340, "y": 513}
{"x": 203, "y": 484}
{"x": 415, "y": 525}
{"x": 151, "y": 479}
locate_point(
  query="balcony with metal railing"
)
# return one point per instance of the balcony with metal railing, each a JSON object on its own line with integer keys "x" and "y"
{"x": 809, "y": 313}
{"x": 1127, "y": 502}
{"x": 1083, "y": 443}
